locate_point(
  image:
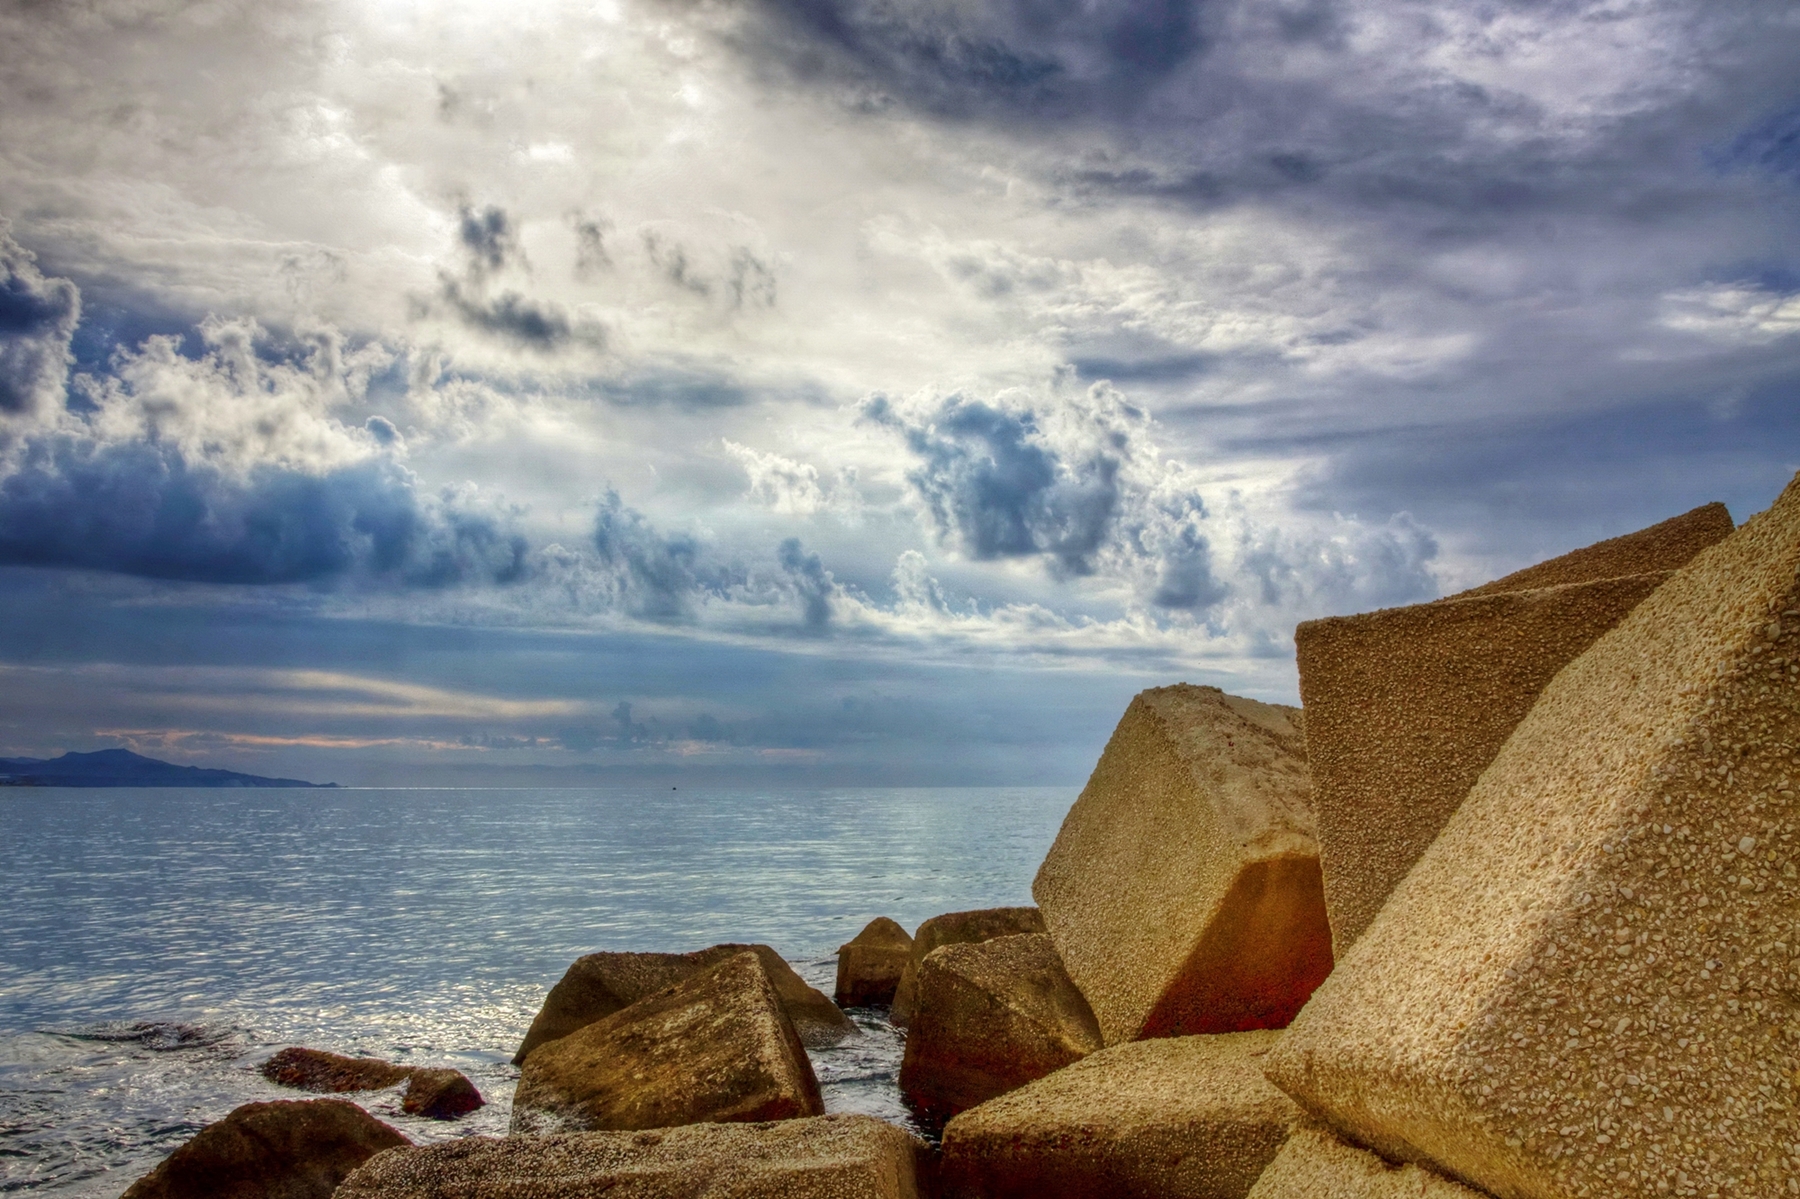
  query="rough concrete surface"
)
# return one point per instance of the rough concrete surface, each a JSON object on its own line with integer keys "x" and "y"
{"x": 870, "y": 964}
{"x": 1586, "y": 985}
{"x": 714, "y": 1047}
{"x": 1173, "y": 1118}
{"x": 828, "y": 1157}
{"x": 1316, "y": 1164}
{"x": 1669, "y": 545}
{"x": 599, "y": 984}
{"x": 1406, "y": 707}
{"x": 957, "y": 928}
{"x": 991, "y": 1016}
{"x": 1183, "y": 889}
{"x": 288, "y": 1149}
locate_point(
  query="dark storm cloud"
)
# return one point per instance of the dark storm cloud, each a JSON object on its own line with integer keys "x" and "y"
{"x": 811, "y": 582}
{"x": 38, "y": 317}
{"x": 489, "y": 239}
{"x": 516, "y": 318}
{"x": 660, "y": 576}
{"x": 1033, "y": 58}
{"x": 994, "y": 485}
{"x": 143, "y": 509}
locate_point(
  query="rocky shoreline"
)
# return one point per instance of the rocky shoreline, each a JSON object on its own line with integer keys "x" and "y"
{"x": 1509, "y": 908}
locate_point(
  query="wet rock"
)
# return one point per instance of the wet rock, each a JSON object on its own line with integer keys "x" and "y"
{"x": 870, "y": 965}
{"x": 1582, "y": 987}
{"x": 434, "y": 1092}
{"x": 1175, "y": 1118}
{"x": 289, "y": 1149}
{"x": 991, "y": 1016}
{"x": 1315, "y": 1164}
{"x": 957, "y": 928}
{"x": 717, "y": 1046}
{"x": 1406, "y": 707}
{"x": 827, "y": 1157}
{"x": 600, "y": 984}
{"x": 1183, "y": 889}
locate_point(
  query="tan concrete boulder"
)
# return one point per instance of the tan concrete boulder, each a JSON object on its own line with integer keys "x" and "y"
{"x": 1405, "y": 707}
{"x": 1315, "y": 1164}
{"x": 438, "y": 1093}
{"x": 600, "y": 984}
{"x": 869, "y": 966}
{"x": 1183, "y": 890}
{"x": 1172, "y": 1118}
{"x": 992, "y": 1016}
{"x": 717, "y": 1046}
{"x": 957, "y": 928}
{"x": 829, "y": 1157}
{"x": 289, "y": 1149}
{"x": 1669, "y": 545}
{"x": 1585, "y": 986}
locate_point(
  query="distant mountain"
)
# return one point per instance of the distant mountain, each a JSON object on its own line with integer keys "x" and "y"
{"x": 122, "y": 768}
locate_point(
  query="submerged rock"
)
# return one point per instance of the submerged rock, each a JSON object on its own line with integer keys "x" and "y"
{"x": 288, "y": 1149}
{"x": 826, "y": 1157}
{"x": 599, "y": 984}
{"x": 991, "y": 1016}
{"x": 957, "y": 928}
{"x": 1174, "y": 1118}
{"x": 714, "y": 1047}
{"x": 1183, "y": 889}
{"x": 869, "y": 966}
{"x": 438, "y": 1093}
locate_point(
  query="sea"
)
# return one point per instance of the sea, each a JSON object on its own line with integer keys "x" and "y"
{"x": 157, "y": 945}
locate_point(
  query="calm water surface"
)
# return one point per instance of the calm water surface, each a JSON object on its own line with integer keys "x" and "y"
{"x": 157, "y": 945}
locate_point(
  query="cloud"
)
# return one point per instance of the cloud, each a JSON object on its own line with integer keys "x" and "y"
{"x": 1028, "y": 58}
{"x": 38, "y": 316}
{"x": 811, "y": 582}
{"x": 792, "y": 488}
{"x": 657, "y": 576}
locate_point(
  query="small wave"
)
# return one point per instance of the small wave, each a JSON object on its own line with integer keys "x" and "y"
{"x": 161, "y": 1036}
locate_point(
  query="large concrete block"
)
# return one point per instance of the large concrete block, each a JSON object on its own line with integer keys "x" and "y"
{"x": 290, "y": 1149}
{"x": 870, "y": 964}
{"x": 1406, "y": 707}
{"x": 828, "y": 1157}
{"x": 1669, "y": 545}
{"x": 1316, "y": 1164}
{"x": 714, "y": 1047}
{"x": 957, "y": 928}
{"x": 1183, "y": 890}
{"x": 437, "y": 1092}
{"x": 600, "y": 984}
{"x": 992, "y": 1015}
{"x": 1172, "y": 1118}
{"x": 1586, "y": 986}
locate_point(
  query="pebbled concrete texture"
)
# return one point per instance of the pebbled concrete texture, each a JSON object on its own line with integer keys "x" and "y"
{"x": 1173, "y": 1118}
{"x": 1585, "y": 986}
{"x": 1183, "y": 890}
{"x": 1316, "y": 1164}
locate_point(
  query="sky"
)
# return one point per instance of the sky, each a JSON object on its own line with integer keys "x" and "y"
{"x": 839, "y": 392}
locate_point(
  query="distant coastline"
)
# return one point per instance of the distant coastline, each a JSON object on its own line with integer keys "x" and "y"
{"x": 122, "y": 768}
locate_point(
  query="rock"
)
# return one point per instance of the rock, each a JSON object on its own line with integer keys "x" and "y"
{"x": 1315, "y": 1164}
{"x": 828, "y": 1157}
{"x": 714, "y": 1047}
{"x": 1584, "y": 985}
{"x": 437, "y": 1093}
{"x": 1670, "y": 545}
{"x": 870, "y": 965}
{"x": 289, "y": 1149}
{"x": 1183, "y": 890}
{"x": 957, "y": 928}
{"x": 1406, "y": 707}
{"x": 1175, "y": 1118}
{"x": 991, "y": 1016}
{"x": 602, "y": 983}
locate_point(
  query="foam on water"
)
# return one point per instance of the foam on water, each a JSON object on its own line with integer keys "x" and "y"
{"x": 160, "y": 944}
